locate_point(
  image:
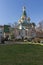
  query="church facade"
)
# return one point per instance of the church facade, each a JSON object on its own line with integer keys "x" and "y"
{"x": 24, "y": 29}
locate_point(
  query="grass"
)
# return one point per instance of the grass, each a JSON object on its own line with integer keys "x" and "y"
{"x": 29, "y": 54}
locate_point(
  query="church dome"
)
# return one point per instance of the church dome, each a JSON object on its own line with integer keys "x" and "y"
{"x": 23, "y": 17}
{"x": 28, "y": 18}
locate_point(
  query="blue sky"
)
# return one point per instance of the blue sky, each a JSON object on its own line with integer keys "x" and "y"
{"x": 11, "y": 10}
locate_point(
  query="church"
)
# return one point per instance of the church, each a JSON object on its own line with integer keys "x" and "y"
{"x": 24, "y": 29}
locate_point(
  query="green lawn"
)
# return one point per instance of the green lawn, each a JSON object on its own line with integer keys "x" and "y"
{"x": 29, "y": 54}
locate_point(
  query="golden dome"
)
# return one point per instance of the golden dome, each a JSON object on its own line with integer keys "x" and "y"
{"x": 23, "y": 17}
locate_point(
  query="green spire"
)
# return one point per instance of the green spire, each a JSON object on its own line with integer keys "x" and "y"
{"x": 24, "y": 12}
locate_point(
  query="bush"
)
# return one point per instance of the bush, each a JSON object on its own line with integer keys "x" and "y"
{"x": 36, "y": 40}
{"x": 12, "y": 36}
{"x": 2, "y": 40}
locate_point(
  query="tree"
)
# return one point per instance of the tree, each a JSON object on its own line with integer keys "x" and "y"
{"x": 41, "y": 25}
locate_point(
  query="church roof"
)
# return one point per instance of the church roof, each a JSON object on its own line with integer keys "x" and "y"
{"x": 25, "y": 23}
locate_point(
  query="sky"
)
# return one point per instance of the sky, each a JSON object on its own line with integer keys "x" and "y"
{"x": 11, "y": 10}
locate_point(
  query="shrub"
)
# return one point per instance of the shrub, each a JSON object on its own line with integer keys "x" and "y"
{"x": 36, "y": 40}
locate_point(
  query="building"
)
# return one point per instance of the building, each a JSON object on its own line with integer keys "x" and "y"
{"x": 1, "y": 32}
{"x": 7, "y": 30}
{"x": 24, "y": 27}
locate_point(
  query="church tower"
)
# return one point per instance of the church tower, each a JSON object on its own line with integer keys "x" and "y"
{"x": 24, "y": 15}
{"x": 24, "y": 11}
{"x": 24, "y": 20}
